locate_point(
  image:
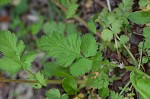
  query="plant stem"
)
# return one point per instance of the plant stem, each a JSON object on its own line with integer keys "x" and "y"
{"x": 35, "y": 81}
{"x": 124, "y": 88}
{"x": 75, "y": 16}
{"x": 129, "y": 52}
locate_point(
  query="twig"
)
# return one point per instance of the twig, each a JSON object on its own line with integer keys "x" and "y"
{"x": 125, "y": 88}
{"x": 35, "y": 81}
{"x": 108, "y": 4}
{"x": 141, "y": 52}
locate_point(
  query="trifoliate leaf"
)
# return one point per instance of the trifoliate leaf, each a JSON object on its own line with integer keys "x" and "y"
{"x": 55, "y": 94}
{"x": 88, "y": 45}
{"x": 124, "y": 39}
{"x": 9, "y": 46}
{"x": 70, "y": 85}
{"x": 3, "y": 2}
{"x": 40, "y": 78}
{"x": 71, "y": 10}
{"x": 92, "y": 27}
{"x": 28, "y": 58}
{"x": 81, "y": 67}
{"x": 140, "y": 17}
{"x": 65, "y": 50}
{"x": 107, "y": 35}
{"x": 9, "y": 65}
{"x": 54, "y": 69}
{"x": 50, "y": 27}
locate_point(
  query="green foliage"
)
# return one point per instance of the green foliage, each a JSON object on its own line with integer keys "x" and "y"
{"x": 54, "y": 69}
{"x": 123, "y": 39}
{"x": 92, "y": 26}
{"x": 70, "y": 85}
{"x": 71, "y": 10}
{"x": 50, "y": 27}
{"x": 141, "y": 81}
{"x": 103, "y": 93}
{"x": 66, "y": 50}
{"x": 140, "y": 17}
{"x": 88, "y": 45}
{"x": 143, "y": 3}
{"x": 55, "y": 94}
{"x": 98, "y": 81}
{"x": 146, "y": 34}
{"x": 107, "y": 35}
{"x": 81, "y": 67}
{"x": 3, "y": 2}
{"x": 116, "y": 95}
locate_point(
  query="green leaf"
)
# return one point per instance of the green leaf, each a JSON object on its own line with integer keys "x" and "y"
{"x": 70, "y": 85}
{"x": 141, "y": 81}
{"x": 9, "y": 65}
{"x": 124, "y": 39}
{"x": 92, "y": 26}
{"x": 115, "y": 95}
{"x": 9, "y": 45}
{"x": 107, "y": 35}
{"x": 50, "y": 27}
{"x": 35, "y": 28}
{"x": 98, "y": 81}
{"x": 146, "y": 34}
{"x": 145, "y": 60}
{"x": 88, "y": 45}
{"x": 65, "y": 50}
{"x": 103, "y": 93}
{"x": 71, "y": 10}
{"x": 54, "y": 69}
{"x": 55, "y": 94}
{"x": 3, "y": 2}
{"x": 71, "y": 28}
{"x": 140, "y": 17}
{"x": 28, "y": 58}
{"x": 116, "y": 26}
{"x": 81, "y": 67}
{"x": 40, "y": 78}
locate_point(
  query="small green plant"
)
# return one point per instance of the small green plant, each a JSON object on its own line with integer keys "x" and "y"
{"x": 80, "y": 60}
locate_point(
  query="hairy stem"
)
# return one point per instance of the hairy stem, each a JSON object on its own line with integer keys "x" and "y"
{"x": 35, "y": 81}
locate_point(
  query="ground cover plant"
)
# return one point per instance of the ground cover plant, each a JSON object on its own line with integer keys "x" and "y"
{"x": 110, "y": 60}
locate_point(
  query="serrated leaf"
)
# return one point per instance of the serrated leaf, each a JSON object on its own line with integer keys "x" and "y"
{"x": 107, "y": 35}
{"x": 116, "y": 26}
{"x": 35, "y": 28}
{"x": 28, "y": 58}
{"x": 146, "y": 34}
{"x": 124, "y": 39}
{"x": 92, "y": 27}
{"x": 71, "y": 28}
{"x": 88, "y": 45}
{"x": 103, "y": 93}
{"x": 65, "y": 50}
{"x": 140, "y": 17}
{"x": 81, "y": 67}
{"x": 3, "y": 2}
{"x": 9, "y": 46}
{"x": 71, "y": 10}
{"x": 53, "y": 94}
{"x": 99, "y": 81}
{"x": 50, "y": 27}
{"x": 54, "y": 69}
{"x": 70, "y": 85}
{"x": 40, "y": 78}
{"x": 9, "y": 65}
